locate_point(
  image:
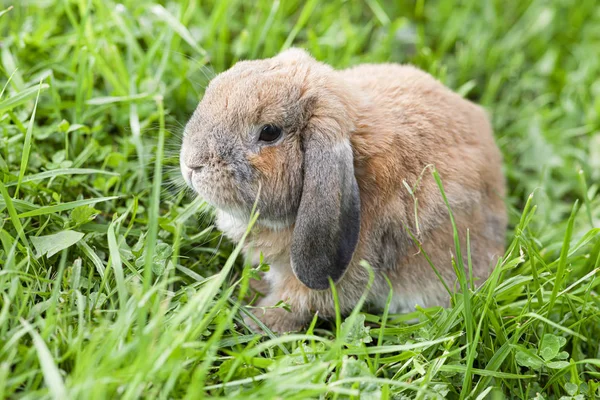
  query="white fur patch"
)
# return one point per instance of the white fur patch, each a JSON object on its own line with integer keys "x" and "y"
{"x": 233, "y": 223}
{"x": 401, "y": 303}
{"x": 232, "y": 226}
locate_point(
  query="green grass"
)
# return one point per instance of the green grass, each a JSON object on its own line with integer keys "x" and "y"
{"x": 87, "y": 313}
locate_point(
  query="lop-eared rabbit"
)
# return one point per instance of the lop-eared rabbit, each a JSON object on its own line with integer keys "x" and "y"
{"x": 331, "y": 155}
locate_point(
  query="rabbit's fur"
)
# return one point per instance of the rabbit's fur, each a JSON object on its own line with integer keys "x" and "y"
{"x": 333, "y": 188}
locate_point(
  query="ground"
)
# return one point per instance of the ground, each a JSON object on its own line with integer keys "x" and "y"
{"x": 95, "y": 96}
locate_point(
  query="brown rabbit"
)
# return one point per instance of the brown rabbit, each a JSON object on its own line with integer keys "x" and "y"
{"x": 332, "y": 153}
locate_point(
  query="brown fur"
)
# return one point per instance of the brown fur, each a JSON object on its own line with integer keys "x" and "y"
{"x": 399, "y": 121}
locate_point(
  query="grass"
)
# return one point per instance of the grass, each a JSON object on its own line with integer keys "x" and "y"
{"x": 110, "y": 283}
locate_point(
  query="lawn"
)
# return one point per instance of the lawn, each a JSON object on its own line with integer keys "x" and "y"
{"x": 115, "y": 284}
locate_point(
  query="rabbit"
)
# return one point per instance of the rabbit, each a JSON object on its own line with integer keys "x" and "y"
{"x": 337, "y": 162}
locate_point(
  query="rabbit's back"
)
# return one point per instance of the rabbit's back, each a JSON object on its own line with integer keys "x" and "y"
{"x": 409, "y": 121}
{"x": 403, "y": 96}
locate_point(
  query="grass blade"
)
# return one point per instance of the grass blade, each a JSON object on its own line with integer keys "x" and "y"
{"x": 12, "y": 212}
{"x": 22, "y": 97}
{"x": 50, "y": 370}
{"x": 64, "y": 206}
{"x": 62, "y": 172}
{"x": 117, "y": 266}
{"x": 562, "y": 264}
{"x": 154, "y": 210}
{"x": 6, "y": 10}
{"x": 117, "y": 99}
{"x": 307, "y": 10}
{"x": 174, "y": 24}
{"x": 27, "y": 144}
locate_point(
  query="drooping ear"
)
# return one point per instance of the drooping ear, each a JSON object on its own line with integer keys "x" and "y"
{"x": 328, "y": 220}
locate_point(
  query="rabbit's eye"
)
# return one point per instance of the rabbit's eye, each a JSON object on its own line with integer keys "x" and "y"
{"x": 269, "y": 133}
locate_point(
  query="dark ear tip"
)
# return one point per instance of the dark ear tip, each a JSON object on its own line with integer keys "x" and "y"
{"x": 316, "y": 285}
{"x": 315, "y": 276}
{"x": 315, "y": 282}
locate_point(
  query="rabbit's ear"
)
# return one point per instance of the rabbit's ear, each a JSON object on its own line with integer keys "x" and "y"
{"x": 328, "y": 220}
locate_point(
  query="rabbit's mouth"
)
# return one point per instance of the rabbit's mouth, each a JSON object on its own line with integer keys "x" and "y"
{"x": 219, "y": 195}
{"x": 214, "y": 187}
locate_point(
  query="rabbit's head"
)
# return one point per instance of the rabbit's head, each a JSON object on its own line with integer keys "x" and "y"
{"x": 278, "y": 131}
